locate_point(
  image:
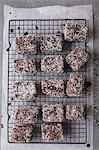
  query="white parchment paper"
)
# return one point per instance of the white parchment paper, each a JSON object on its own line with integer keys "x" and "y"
{"x": 50, "y": 12}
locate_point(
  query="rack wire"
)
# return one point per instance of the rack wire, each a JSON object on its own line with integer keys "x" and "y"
{"x": 74, "y": 131}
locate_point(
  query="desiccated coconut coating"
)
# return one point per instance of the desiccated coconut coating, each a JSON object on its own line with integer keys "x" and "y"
{"x": 77, "y": 58}
{"x": 75, "y": 112}
{"x": 25, "y": 114}
{"x": 23, "y": 66}
{"x": 53, "y": 87}
{"x": 73, "y": 32}
{"x": 52, "y": 132}
{"x": 21, "y": 133}
{"x": 75, "y": 85}
{"x": 52, "y": 113}
{"x": 52, "y": 63}
{"x": 51, "y": 43}
{"x": 26, "y": 44}
{"x": 24, "y": 90}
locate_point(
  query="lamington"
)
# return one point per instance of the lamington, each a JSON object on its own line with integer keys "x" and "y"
{"x": 75, "y": 85}
{"x": 26, "y": 44}
{"x": 22, "y": 66}
{"x": 24, "y": 90}
{"x": 75, "y": 112}
{"x": 75, "y": 32}
{"x": 77, "y": 58}
{"x": 52, "y": 132}
{"x": 21, "y": 134}
{"x": 51, "y": 43}
{"x": 52, "y": 63}
{"x": 24, "y": 114}
{"x": 53, "y": 87}
{"x": 52, "y": 113}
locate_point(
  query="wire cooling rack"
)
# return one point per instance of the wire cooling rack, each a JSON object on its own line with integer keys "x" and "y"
{"x": 74, "y": 131}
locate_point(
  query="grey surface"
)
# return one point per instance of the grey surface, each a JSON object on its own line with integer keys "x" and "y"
{"x": 36, "y": 3}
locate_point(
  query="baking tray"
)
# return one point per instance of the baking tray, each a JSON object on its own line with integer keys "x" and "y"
{"x": 75, "y": 132}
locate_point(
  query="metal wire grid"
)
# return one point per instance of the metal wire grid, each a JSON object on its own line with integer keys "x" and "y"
{"x": 74, "y": 131}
